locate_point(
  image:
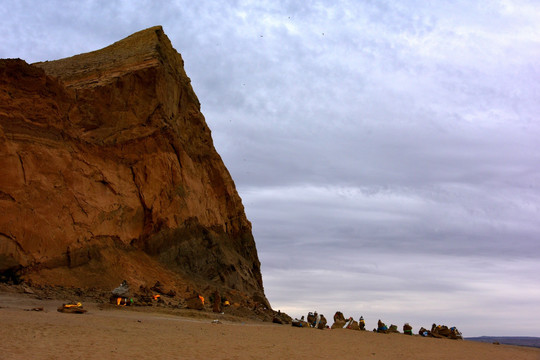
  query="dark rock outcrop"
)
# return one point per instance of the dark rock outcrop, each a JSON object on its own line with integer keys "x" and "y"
{"x": 109, "y": 173}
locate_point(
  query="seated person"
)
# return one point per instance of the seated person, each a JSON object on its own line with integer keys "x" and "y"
{"x": 407, "y": 329}
{"x": 381, "y": 327}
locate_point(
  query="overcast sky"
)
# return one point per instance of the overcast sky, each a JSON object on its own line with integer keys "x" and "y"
{"x": 387, "y": 152}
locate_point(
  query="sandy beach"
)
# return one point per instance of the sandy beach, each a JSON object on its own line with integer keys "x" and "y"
{"x": 105, "y": 332}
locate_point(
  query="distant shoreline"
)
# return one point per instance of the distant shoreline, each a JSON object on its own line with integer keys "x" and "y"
{"x": 530, "y": 341}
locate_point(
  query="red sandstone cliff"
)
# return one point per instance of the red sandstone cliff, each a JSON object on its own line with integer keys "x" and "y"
{"x": 108, "y": 172}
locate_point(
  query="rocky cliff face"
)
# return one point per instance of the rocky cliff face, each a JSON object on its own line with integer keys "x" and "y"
{"x": 108, "y": 172}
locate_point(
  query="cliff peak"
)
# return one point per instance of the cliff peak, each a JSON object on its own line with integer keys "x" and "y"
{"x": 146, "y": 48}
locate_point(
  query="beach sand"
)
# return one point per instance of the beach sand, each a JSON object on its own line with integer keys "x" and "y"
{"x": 105, "y": 332}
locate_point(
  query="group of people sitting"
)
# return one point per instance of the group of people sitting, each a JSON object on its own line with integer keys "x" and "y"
{"x": 314, "y": 320}
{"x": 441, "y": 331}
{"x": 318, "y": 321}
{"x": 382, "y": 328}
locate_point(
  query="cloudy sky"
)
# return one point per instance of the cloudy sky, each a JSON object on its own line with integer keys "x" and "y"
{"x": 387, "y": 152}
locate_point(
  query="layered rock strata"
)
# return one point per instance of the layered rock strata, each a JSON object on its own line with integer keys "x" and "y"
{"x": 108, "y": 172}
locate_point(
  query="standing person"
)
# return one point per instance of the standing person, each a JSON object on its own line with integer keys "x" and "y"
{"x": 362, "y": 323}
{"x": 317, "y": 320}
{"x": 311, "y": 319}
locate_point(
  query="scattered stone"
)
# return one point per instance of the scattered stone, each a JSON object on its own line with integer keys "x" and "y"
{"x": 158, "y": 288}
{"x": 217, "y": 302}
{"x": 195, "y": 303}
{"x": 34, "y": 309}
